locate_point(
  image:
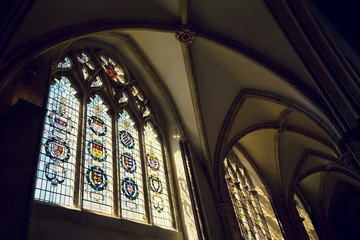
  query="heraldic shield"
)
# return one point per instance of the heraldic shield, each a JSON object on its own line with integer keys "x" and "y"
{"x": 155, "y": 184}
{"x": 153, "y": 162}
{"x": 60, "y": 121}
{"x": 97, "y": 178}
{"x": 97, "y": 150}
{"x": 129, "y": 188}
{"x": 57, "y": 149}
{"x": 128, "y": 162}
{"x": 110, "y": 70}
{"x": 97, "y": 126}
{"x": 126, "y": 139}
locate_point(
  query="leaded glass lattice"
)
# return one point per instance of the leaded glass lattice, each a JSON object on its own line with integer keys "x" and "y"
{"x": 98, "y": 169}
{"x": 130, "y": 169}
{"x": 97, "y": 83}
{"x": 66, "y": 63}
{"x": 112, "y": 69}
{"x": 158, "y": 189}
{"x": 246, "y": 203}
{"x": 83, "y": 160}
{"x": 56, "y": 168}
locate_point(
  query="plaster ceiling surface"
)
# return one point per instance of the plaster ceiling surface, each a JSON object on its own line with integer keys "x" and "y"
{"x": 249, "y": 23}
{"x": 310, "y": 187}
{"x": 170, "y": 66}
{"x": 259, "y": 145}
{"x": 300, "y": 120}
{"x": 312, "y": 162}
{"x": 158, "y": 101}
{"x": 277, "y": 153}
{"x": 245, "y": 22}
{"x": 318, "y": 182}
{"x": 291, "y": 148}
{"x": 289, "y": 154}
{"x": 254, "y": 111}
{"x": 307, "y": 142}
{"x": 220, "y": 74}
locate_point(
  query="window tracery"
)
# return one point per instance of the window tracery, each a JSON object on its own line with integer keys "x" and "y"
{"x": 99, "y": 148}
{"x": 252, "y": 208}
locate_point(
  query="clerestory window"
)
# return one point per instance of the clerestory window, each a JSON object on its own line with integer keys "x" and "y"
{"x": 101, "y": 148}
{"x": 252, "y": 207}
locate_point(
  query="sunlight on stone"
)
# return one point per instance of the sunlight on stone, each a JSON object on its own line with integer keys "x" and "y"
{"x": 185, "y": 198}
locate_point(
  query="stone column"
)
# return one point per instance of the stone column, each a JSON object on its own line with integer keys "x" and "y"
{"x": 19, "y": 147}
{"x": 228, "y": 221}
{"x": 290, "y": 226}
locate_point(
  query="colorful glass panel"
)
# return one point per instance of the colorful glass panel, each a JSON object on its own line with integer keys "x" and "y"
{"x": 98, "y": 170}
{"x": 158, "y": 189}
{"x": 66, "y": 63}
{"x": 112, "y": 69}
{"x": 124, "y": 98}
{"x": 97, "y": 83}
{"x": 84, "y": 58}
{"x": 56, "y": 169}
{"x": 130, "y": 170}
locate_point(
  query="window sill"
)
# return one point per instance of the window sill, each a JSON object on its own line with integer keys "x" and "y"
{"x": 56, "y": 222}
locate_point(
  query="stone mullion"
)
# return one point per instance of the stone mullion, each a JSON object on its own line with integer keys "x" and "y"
{"x": 261, "y": 214}
{"x": 243, "y": 189}
{"x": 239, "y": 208}
{"x": 256, "y": 213}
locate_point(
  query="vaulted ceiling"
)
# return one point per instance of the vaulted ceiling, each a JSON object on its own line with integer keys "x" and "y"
{"x": 239, "y": 84}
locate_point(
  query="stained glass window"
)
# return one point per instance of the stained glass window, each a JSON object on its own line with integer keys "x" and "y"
{"x": 158, "y": 189}
{"x": 112, "y": 69}
{"x": 56, "y": 169}
{"x": 304, "y": 216}
{"x": 97, "y": 83}
{"x": 98, "y": 190}
{"x": 97, "y": 153}
{"x": 130, "y": 168}
{"x": 255, "y": 218}
{"x": 66, "y": 63}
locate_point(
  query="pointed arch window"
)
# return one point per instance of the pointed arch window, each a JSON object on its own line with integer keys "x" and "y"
{"x": 58, "y": 154}
{"x": 98, "y": 167}
{"x": 100, "y": 150}
{"x": 159, "y": 197}
{"x": 130, "y": 169}
{"x": 304, "y": 216}
{"x": 251, "y": 205}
